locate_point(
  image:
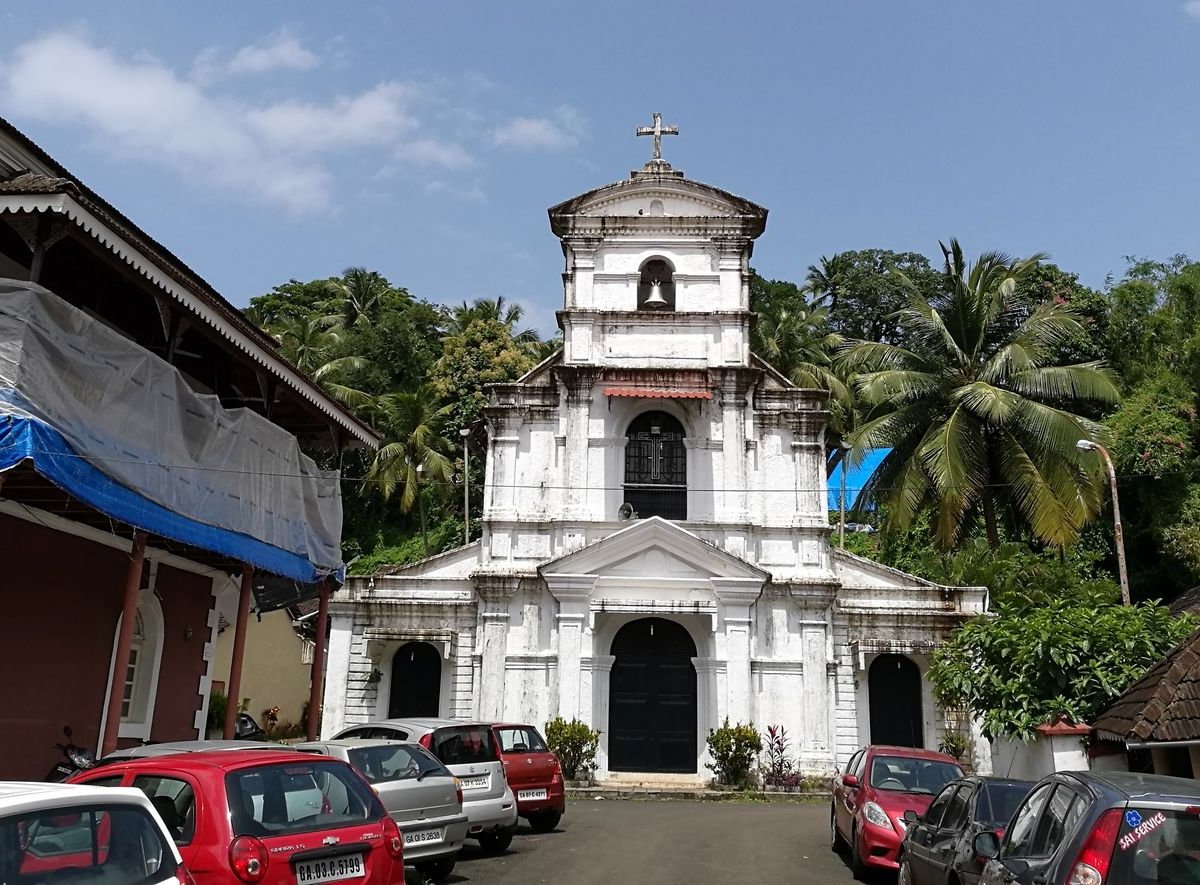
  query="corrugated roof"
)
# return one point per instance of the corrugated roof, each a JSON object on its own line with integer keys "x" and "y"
{"x": 1164, "y": 705}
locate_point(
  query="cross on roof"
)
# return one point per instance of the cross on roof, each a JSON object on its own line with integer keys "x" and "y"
{"x": 658, "y": 130}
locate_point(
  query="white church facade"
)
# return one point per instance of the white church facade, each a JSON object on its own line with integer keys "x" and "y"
{"x": 656, "y": 551}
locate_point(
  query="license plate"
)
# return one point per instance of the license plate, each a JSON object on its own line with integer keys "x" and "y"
{"x": 531, "y": 794}
{"x": 330, "y": 869}
{"x": 424, "y": 837}
{"x": 479, "y": 782}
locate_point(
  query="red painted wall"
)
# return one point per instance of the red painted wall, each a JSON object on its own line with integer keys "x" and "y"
{"x": 60, "y": 601}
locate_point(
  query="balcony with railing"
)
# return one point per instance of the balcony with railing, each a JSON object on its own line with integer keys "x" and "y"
{"x": 667, "y": 501}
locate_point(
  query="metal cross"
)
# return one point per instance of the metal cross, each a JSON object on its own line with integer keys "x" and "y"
{"x": 658, "y": 130}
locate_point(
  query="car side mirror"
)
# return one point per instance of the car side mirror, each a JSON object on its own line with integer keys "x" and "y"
{"x": 987, "y": 845}
{"x": 911, "y": 817}
{"x": 849, "y": 780}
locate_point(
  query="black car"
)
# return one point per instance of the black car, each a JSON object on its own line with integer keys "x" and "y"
{"x": 1099, "y": 828}
{"x": 939, "y": 846}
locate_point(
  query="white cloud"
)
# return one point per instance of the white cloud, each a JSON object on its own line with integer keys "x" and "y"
{"x": 432, "y": 152}
{"x": 279, "y": 153}
{"x": 281, "y": 51}
{"x": 473, "y": 194}
{"x": 541, "y": 133}
{"x": 1192, "y": 8}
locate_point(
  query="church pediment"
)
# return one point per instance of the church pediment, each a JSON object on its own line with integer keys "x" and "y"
{"x": 654, "y": 548}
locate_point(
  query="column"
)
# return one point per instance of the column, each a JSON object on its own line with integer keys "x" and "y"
{"x": 572, "y": 592}
{"x": 737, "y": 595}
{"x": 317, "y": 677}
{"x": 337, "y": 675}
{"x": 495, "y": 593}
{"x": 708, "y": 714}
{"x": 597, "y": 670}
{"x": 733, "y": 456}
{"x": 233, "y": 691}
{"x": 116, "y": 690}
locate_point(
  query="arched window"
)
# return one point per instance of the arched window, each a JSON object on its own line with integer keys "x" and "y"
{"x": 656, "y": 467}
{"x": 139, "y": 683}
{"x": 656, "y": 272}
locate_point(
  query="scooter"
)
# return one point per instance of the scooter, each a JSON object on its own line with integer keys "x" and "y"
{"x": 77, "y": 759}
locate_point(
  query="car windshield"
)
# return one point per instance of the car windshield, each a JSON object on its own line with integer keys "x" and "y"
{"x": 269, "y": 800}
{"x": 520, "y": 739}
{"x": 399, "y": 762}
{"x": 997, "y": 802}
{"x": 463, "y": 745}
{"x": 1157, "y": 846}
{"x": 905, "y": 774}
{"x": 89, "y": 844}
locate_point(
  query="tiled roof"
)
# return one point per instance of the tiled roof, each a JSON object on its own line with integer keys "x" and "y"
{"x": 1164, "y": 705}
{"x": 1187, "y": 601}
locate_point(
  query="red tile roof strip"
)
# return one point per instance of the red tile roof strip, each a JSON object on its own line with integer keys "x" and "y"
{"x": 659, "y": 392}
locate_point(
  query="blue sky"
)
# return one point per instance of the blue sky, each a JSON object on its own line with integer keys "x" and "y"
{"x": 273, "y": 140}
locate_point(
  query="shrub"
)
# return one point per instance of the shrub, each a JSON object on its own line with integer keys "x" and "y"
{"x": 575, "y": 743}
{"x": 954, "y": 743}
{"x": 734, "y": 749}
{"x": 779, "y": 770}
{"x": 217, "y": 704}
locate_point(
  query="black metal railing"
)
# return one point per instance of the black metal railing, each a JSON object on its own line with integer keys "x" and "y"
{"x": 669, "y": 502}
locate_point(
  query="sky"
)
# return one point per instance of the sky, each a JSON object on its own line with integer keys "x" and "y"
{"x": 288, "y": 139}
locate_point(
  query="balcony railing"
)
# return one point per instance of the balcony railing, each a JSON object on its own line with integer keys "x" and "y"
{"x": 669, "y": 502}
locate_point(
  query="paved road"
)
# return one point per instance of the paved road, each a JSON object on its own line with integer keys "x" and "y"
{"x": 668, "y": 843}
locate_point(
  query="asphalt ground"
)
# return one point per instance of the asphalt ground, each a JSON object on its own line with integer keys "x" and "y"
{"x": 602, "y": 842}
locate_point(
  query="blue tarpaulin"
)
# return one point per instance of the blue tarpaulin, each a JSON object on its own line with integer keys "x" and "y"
{"x": 856, "y": 479}
{"x": 52, "y": 456}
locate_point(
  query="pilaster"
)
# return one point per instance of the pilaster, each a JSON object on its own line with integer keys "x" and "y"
{"x": 495, "y": 611}
{"x": 573, "y": 593}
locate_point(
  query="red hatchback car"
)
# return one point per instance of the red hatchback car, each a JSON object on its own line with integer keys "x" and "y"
{"x": 870, "y": 797}
{"x": 262, "y": 816}
{"x": 533, "y": 774}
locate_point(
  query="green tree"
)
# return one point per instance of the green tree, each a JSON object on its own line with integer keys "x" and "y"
{"x": 363, "y": 294}
{"x": 413, "y": 455}
{"x": 292, "y": 300}
{"x": 310, "y": 342}
{"x": 869, "y": 287}
{"x": 483, "y": 353}
{"x": 975, "y": 413}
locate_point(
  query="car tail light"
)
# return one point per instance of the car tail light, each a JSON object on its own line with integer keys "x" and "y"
{"x": 1091, "y": 867}
{"x": 458, "y": 791}
{"x": 249, "y": 859}
{"x": 392, "y": 840}
{"x": 426, "y": 741}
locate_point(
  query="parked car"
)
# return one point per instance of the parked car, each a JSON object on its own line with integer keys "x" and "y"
{"x": 167, "y": 748}
{"x": 870, "y": 797}
{"x": 1099, "y": 828}
{"x": 533, "y": 773}
{"x": 419, "y": 792}
{"x": 469, "y": 750}
{"x": 258, "y": 816}
{"x": 62, "y": 832}
{"x": 939, "y": 845}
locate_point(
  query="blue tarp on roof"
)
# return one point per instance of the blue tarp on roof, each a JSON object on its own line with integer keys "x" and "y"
{"x": 52, "y": 456}
{"x": 856, "y": 479}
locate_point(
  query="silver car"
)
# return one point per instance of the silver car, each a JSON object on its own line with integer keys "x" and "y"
{"x": 419, "y": 792}
{"x": 467, "y": 749}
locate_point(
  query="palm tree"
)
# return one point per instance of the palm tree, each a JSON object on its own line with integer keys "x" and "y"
{"x": 496, "y": 309}
{"x": 824, "y": 280}
{"x": 414, "y": 451}
{"x": 361, "y": 293}
{"x": 310, "y": 342}
{"x": 799, "y": 343}
{"x": 977, "y": 416}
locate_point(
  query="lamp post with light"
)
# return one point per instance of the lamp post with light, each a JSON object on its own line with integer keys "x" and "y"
{"x": 845, "y": 447}
{"x": 421, "y": 509}
{"x": 1086, "y": 445}
{"x": 464, "y": 433}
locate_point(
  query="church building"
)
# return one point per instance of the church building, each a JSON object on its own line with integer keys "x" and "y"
{"x": 656, "y": 551}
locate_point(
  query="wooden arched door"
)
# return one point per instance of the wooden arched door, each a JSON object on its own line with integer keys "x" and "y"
{"x": 652, "y": 698}
{"x": 894, "y": 689}
{"x": 416, "y": 681}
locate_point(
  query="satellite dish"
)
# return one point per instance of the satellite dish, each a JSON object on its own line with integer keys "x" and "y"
{"x": 626, "y": 512}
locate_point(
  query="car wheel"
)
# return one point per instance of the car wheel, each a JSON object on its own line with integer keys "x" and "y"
{"x": 496, "y": 843}
{"x": 545, "y": 822}
{"x": 836, "y": 842}
{"x": 857, "y": 867}
{"x": 437, "y": 871}
{"x": 904, "y": 877}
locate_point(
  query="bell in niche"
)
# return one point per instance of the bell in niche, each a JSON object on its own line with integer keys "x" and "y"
{"x": 655, "y": 300}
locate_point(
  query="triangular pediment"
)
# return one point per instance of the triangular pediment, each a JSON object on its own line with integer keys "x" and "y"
{"x": 654, "y": 547}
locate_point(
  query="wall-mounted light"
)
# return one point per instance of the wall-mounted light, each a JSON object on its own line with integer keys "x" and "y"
{"x": 187, "y": 633}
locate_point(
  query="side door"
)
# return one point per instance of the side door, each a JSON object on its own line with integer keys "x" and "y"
{"x": 1059, "y": 820}
{"x": 1016, "y": 850}
{"x": 842, "y": 810}
{"x": 177, "y": 799}
{"x": 945, "y": 838}
{"x": 919, "y": 841}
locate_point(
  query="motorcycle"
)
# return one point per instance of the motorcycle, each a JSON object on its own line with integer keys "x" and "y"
{"x": 76, "y": 759}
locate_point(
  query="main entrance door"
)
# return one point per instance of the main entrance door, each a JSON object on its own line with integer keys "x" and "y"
{"x": 652, "y": 698}
{"x": 416, "y": 681}
{"x": 894, "y": 686}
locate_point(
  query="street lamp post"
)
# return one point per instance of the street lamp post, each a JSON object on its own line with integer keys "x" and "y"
{"x": 845, "y": 447}
{"x": 464, "y": 433}
{"x": 1086, "y": 445}
{"x": 421, "y": 510}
